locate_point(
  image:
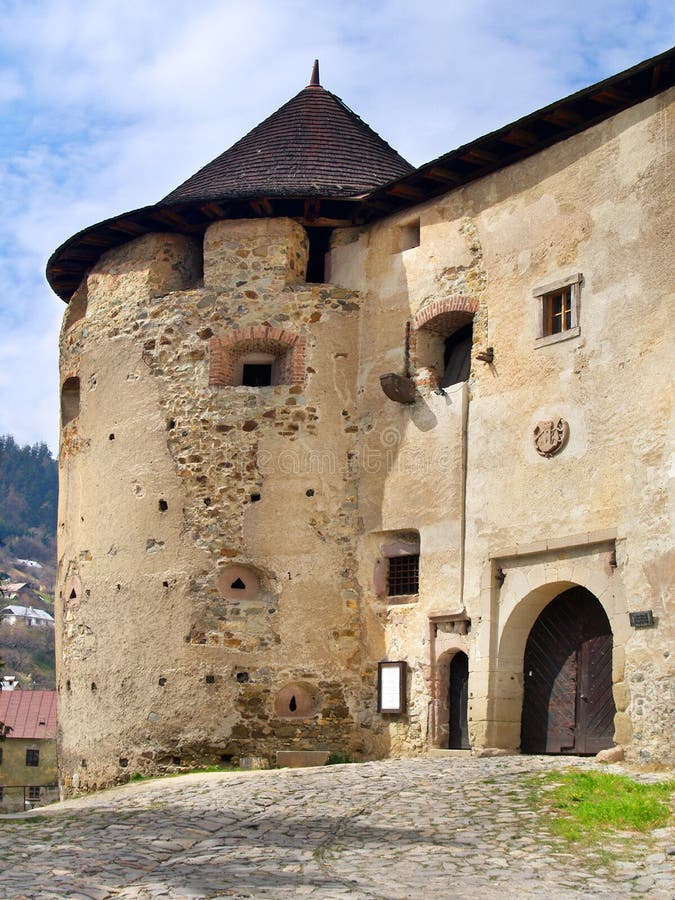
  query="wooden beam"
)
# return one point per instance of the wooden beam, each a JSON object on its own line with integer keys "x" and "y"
{"x": 406, "y": 190}
{"x": 563, "y": 117}
{"x": 519, "y": 138}
{"x": 311, "y": 208}
{"x": 478, "y": 157}
{"x": 170, "y": 217}
{"x": 127, "y": 227}
{"x": 611, "y": 96}
{"x": 212, "y": 210}
{"x": 438, "y": 173}
{"x": 261, "y": 206}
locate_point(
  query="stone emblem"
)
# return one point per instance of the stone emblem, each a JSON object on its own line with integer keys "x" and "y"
{"x": 551, "y": 436}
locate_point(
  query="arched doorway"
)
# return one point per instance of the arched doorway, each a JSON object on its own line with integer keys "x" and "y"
{"x": 458, "y": 702}
{"x": 568, "y": 705}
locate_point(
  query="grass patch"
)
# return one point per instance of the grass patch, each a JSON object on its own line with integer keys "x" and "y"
{"x": 588, "y": 805}
{"x": 198, "y": 770}
{"x": 338, "y": 758}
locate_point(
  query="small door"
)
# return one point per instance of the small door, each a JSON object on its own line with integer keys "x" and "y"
{"x": 459, "y": 702}
{"x": 568, "y": 705}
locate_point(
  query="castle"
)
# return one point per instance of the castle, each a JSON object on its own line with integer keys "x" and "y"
{"x": 365, "y": 458}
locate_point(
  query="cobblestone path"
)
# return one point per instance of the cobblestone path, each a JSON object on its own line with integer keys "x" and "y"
{"x": 423, "y": 828}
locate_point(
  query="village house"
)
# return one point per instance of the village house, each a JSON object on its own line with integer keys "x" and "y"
{"x": 362, "y": 457}
{"x": 26, "y": 615}
{"x": 28, "y": 770}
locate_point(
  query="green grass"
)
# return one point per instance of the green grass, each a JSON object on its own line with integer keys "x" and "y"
{"x": 339, "y": 757}
{"x": 138, "y": 776}
{"x": 588, "y": 805}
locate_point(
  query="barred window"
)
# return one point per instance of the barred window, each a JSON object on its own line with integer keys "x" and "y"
{"x": 34, "y": 792}
{"x": 403, "y": 575}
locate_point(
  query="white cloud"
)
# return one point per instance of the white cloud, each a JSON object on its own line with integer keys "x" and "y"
{"x": 108, "y": 106}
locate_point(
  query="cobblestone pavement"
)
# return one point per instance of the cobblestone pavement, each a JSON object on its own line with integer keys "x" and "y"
{"x": 422, "y": 828}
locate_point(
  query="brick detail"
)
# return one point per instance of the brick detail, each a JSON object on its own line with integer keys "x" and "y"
{"x": 226, "y": 350}
{"x": 446, "y": 315}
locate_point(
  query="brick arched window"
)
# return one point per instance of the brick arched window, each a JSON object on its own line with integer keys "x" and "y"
{"x": 257, "y": 356}
{"x": 441, "y": 338}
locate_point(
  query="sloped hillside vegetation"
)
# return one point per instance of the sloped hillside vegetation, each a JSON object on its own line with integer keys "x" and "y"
{"x": 28, "y": 496}
{"x": 28, "y": 509}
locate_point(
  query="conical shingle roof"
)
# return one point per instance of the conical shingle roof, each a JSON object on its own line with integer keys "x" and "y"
{"x": 313, "y": 146}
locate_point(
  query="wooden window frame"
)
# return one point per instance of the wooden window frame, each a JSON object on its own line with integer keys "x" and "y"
{"x": 546, "y": 296}
{"x": 32, "y": 757}
{"x": 400, "y": 671}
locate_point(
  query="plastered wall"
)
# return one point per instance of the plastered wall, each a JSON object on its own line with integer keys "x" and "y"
{"x": 173, "y": 487}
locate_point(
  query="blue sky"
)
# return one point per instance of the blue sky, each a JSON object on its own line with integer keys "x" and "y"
{"x": 107, "y": 105}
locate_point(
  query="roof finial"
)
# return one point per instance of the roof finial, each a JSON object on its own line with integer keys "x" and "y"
{"x": 314, "y": 80}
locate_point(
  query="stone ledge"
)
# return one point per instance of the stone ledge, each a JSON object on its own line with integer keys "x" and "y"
{"x": 582, "y": 539}
{"x": 299, "y": 759}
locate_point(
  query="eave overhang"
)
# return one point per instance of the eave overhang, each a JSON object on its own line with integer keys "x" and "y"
{"x": 490, "y": 153}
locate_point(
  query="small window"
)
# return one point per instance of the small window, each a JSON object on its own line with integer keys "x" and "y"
{"x": 70, "y": 400}
{"x": 318, "y": 261}
{"x": 256, "y": 369}
{"x": 457, "y": 356}
{"x": 409, "y": 235}
{"x": 2, "y": 793}
{"x": 558, "y": 310}
{"x": 32, "y": 757}
{"x": 403, "y": 575}
{"x": 34, "y": 792}
{"x": 257, "y": 374}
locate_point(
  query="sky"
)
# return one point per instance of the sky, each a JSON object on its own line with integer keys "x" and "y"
{"x": 107, "y": 105}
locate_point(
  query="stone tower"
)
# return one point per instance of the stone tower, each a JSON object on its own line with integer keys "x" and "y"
{"x": 207, "y": 530}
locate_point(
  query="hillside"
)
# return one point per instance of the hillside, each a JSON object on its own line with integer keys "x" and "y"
{"x": 28, "y": 506}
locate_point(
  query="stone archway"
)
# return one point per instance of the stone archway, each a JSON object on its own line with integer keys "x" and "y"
{"x": 506, "y": 692}
{"x": 568, "y": 705}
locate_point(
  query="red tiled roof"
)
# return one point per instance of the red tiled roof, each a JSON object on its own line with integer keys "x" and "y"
{"x": 30, "y": 714}
{"x": 313, "y": 146}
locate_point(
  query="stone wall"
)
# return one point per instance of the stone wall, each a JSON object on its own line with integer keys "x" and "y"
{"x": 221, "y": 547}
{"x": 598, "y": 204}
{"x": 168, "y": 480}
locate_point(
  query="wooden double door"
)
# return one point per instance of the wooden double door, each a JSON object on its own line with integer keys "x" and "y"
{"x": 568, "y": 705}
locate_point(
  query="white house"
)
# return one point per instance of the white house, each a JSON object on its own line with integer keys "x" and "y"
{"x": 26, "y": 615}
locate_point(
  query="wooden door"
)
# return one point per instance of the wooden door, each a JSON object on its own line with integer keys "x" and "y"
{"x": 568, "y": 705}
{"x": 459, "y": 702}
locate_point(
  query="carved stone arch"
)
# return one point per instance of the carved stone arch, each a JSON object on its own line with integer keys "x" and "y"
{"x": 285, "y": 348}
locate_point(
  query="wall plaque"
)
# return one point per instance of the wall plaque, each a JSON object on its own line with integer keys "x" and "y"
{"x": 551, "y": 436}
{"x": 642, "y": 619}
{"x": 391, "y": 687}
